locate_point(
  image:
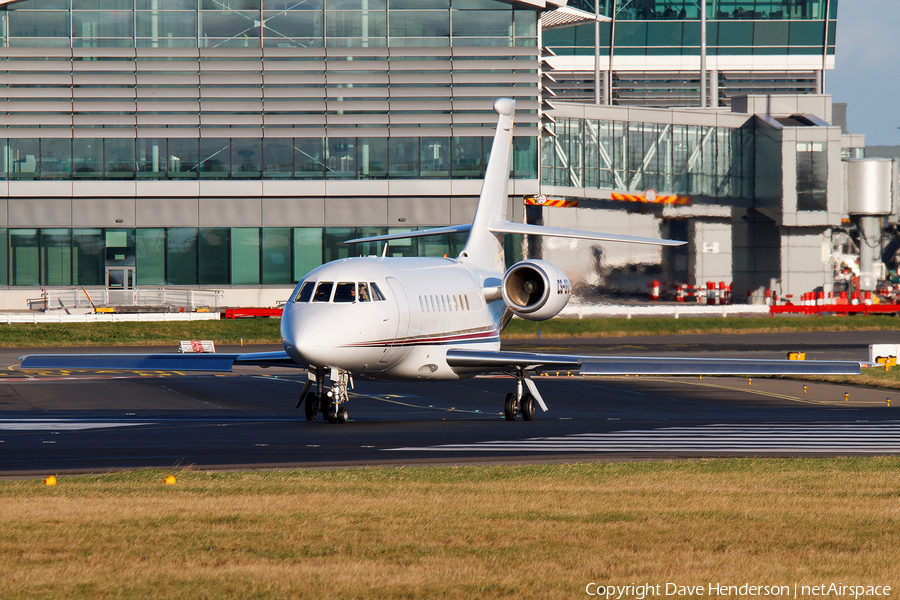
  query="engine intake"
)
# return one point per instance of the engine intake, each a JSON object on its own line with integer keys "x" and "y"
{"x": 535, "y": 290}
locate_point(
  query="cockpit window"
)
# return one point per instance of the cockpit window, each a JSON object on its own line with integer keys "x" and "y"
{"x": 345, "y": 292}
{"x": 376, "y": 293}
{"x": 323, "y": 292}
{"x": 305, "y": 292}
{"x": 363, "y": 291}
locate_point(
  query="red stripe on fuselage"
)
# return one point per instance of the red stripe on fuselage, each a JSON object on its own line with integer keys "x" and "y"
{"x": 422, "y": 341}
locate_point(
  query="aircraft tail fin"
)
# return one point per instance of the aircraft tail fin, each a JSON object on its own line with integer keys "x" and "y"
{"x": 484, "y": 247}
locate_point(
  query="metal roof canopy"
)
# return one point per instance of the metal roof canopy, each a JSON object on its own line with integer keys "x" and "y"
{"x": 566, "y": 16}
{"x": 540, "y": 5}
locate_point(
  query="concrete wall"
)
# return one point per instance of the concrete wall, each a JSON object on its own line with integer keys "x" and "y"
{"x": 248, "y": 203}
{"x": 831, "y": 138}
{"x": 805, "y": 259}
{"x": 710, "y": 253}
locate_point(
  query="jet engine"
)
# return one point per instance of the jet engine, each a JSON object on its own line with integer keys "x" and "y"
{"x": 535, "y": 290}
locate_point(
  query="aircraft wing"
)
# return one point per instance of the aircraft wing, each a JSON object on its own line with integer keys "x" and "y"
{"x": 523, "y": 228}
{"x": 208, "y": 361}
{"x": 526, "y": 229}
{"x": 476, "y": 360}
{"x": 411, "y": 234}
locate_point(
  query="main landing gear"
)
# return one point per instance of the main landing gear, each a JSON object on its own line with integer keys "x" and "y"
{"x": 328, "y": 403}
{"x": 520, "y": 401}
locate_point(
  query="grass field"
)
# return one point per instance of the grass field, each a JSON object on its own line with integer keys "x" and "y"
{"x": 870, "y": 377}
{"x": 225, "y": 331}
{"x": 542, "y": 531}
{"x": 266, "y": 331}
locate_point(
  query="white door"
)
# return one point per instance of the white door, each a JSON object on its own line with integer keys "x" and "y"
{"x": 402, "y": 320}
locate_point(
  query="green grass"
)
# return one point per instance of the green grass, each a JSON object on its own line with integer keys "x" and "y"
{"x": 876, "y": 377}
{"x": 540, "y": 531}
{"x": 225, "y": 331}
{"x": 266, "y": 331}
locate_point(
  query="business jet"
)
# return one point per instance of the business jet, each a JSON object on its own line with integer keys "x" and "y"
{"x": 434, "y": 318}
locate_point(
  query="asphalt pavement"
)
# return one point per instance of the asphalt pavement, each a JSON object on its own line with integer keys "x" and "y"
{"x": 63, "y": 422}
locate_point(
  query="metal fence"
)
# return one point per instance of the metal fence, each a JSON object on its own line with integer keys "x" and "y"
{"x": 78, "y": 298}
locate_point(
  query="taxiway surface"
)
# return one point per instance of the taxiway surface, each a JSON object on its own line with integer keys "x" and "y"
{"x": 78, "y": 421}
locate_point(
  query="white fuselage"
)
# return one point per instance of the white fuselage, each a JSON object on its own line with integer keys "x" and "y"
{"x": 391, "y": 318}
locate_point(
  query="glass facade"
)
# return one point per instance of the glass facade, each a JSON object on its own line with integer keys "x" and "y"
{"x": 192, "y": 256}
{"x": 274, "y": 158}
{"x": 719, "y": 9}
{"x": 672, "y": 27}
{"x": 632, "y": 156}
{"x": 800, "y": 33}
{"x": 265, "y": 23}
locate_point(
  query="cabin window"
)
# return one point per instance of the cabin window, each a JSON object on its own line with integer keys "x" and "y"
{"x": 363, "y": 292}
{"x": 323, "y": 292}
{"x": 421, "y": 304}
{"x": 345, "y": 292}
{"x": 376, "y": 292}
{"x": 305, "y": 292}
{"x": 467, "y": 303}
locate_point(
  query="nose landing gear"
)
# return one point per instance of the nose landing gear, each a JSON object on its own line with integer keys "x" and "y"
{"x": 328, "y": 403}
{"x": 341, "y": 382}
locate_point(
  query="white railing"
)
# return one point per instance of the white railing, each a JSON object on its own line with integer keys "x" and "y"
{"x": 77, "y": 298}
{"x": 107, "y": 317}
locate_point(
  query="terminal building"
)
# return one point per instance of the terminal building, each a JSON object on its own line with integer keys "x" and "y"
{"x": 228, "y": 147}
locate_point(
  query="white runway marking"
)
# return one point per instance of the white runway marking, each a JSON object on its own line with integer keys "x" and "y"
{"x": 60, "y": 425}
{"x": 881, "y": 438}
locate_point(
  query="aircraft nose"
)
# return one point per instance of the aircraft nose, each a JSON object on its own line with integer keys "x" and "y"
{"x": 301, "y": 336}
{"x": 292, "y": 333}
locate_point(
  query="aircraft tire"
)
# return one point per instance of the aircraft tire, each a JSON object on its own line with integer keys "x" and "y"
{"x": 311, "y": 406}
{"x": 509, "y": 409}
{"x": 331, "y": 415}
{"x": 527, "y": 406}
{"x": 342, "y": 415}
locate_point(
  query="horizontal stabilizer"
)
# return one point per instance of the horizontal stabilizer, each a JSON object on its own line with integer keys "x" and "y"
{"x": 412, "y": 234}
{"x": 510, "y": 227}
{"x": 155, "y": 362}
